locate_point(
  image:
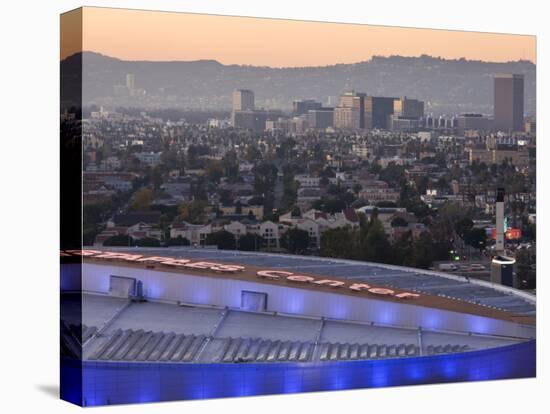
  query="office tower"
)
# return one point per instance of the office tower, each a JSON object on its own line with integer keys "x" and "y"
{"x": 130, "y": 81}
{"x": 346, "y": 118}
{"x": 377, "y": 111}
{"x": 302, "y": 106}
{"x": 253, "y": 120}
{"x": 508, "y": 102}
{"x": 408, "y": 108}
{"x": 243, "y": 100}
{"x": 477, "y": 122}
{"x": 350, "y": 112}
{"x": 243, "y": 114}
{"x": 407, "y": 115}
{"x": 321, "y": 118}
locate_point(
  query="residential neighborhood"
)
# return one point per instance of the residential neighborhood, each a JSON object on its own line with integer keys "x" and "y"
{"x": 414, "y": 195}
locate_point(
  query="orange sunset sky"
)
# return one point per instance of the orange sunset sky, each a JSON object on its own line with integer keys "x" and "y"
{"x": 149, "y": 35}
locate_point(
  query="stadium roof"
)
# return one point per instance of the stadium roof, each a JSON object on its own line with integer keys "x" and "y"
{"x": 118, "y": 329}
{"x": 439, "y": 284}
{"x": 115, "y": 329}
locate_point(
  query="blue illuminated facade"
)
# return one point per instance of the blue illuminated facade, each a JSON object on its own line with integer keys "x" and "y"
{"x": 103, "y": 383}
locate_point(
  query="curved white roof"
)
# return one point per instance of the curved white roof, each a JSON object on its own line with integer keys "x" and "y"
{"x": 431, "y": 282}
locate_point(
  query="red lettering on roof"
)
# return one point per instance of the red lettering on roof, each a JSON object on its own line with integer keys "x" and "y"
{"x": 272, "y": 274}
{"x": 359, "y": 286}
{"x": 381, "y": 291}
{"x": 300, "y": 278}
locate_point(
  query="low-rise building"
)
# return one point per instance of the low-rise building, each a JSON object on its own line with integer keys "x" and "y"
{"x": 151, "y": 159}
{"x": 195, "y": 233}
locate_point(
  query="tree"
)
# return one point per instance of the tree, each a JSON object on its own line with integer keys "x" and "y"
{"x": 295, "y": 212}
{"x": 142, "y": 200}
{"x": 253, "y": 154}
{"x": 265, "y": 176}
{"x": 96, "y": 213}
{"x": 442, "y": 233}
{"x": 290, "y": 186}
{"x": 226, "y": 197}
{"x": 339, "y": 242}
{"x": 526, "y": 270}
{"x": 401, "y": 250}
{"x": 249, "y": 242}
{"x": 422, "y": 184}
{"x": 89, "y": 234}
{"x": 193, "y": 212}
{"x": 93, "y": 217}
{"x": 319, "y": 154}
{"x": 193, "y": 154}
{"x": 214, "y": 170}
{"x": 328, "y": 172}
{"x": 410, "y": 199}
{"x": 222, "y": 239}
{"x": 375, "y": 168}
{"x": 443, "y": 228}
{"x": 399, "y": 222}
{"x": 330, "y": 205}
{"x": 230, "y": 165}
{"x": 423, "y": 251}
{"x": 393, "y": 174}
{"x": 530, "y": 231}
{"x": 147, "y": 242}
{"x": 375, "y": 246}
{"x": 118, "y": 240}
{"x": 295, "y": 240}
{"x": 157, "y": 176}
{"x": 172, "y": 159}
{"x": 178, "y": 241}
{"x": 442, "y": 183}
{"x": 463, "y": 226}
{"x": 286, "y": 150}
{"x": 476, "y": 238}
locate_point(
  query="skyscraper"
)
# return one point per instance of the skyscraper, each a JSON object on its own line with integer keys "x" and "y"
{"x": 377, "y": 111}
{"x": 408, "y": 108}
{"x": 508, "y": 103}
{"x": 130, "y": 81}
{"x": 302, "y": 106}
{"x": 243, "y": 100}
{"x": 350, "y": 113}
{"x": 321, "y": 118}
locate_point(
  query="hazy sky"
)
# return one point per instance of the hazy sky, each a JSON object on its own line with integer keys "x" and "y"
{"x": 146, "y": 35}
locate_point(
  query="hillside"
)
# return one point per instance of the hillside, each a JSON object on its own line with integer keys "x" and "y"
{"x": 447, "y": 86}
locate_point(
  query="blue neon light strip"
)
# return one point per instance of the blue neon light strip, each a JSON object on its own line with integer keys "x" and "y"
{"x": 106, "y": 383}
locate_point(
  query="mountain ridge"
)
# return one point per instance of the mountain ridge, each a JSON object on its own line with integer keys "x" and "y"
{"x": 423, "y": 56}
{"x": 446, "y": 85}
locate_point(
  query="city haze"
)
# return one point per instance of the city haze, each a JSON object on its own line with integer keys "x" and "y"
{"x": 447, "y": 86}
